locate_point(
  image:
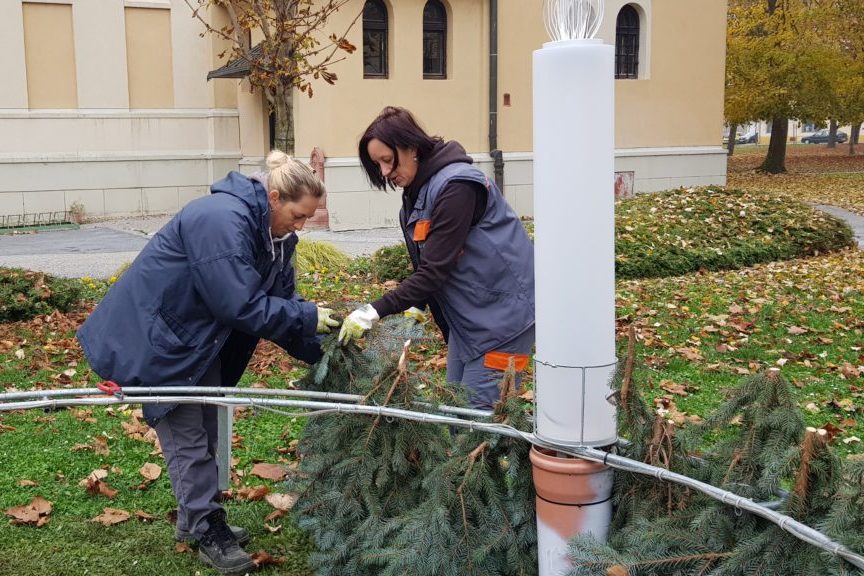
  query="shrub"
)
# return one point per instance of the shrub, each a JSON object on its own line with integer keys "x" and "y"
{"x": 391, "y": 263}
{"x": 682, "y": 231}
{"x": 25, "y": 294}
{"x": 317, "y": 256}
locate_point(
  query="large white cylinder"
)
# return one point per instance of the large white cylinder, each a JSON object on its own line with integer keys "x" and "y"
{"x": 574, "y": 245}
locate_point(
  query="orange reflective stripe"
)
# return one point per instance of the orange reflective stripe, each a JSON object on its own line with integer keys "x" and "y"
{"x": 501, "y": 361}
{"x": 421, "y": 230}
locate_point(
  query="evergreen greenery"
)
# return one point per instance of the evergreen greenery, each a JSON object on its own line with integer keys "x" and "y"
{"x": 662, "y": 529}
{"x": 387, "y": 496}
{"x": 25, "y": 294}
{"x": 391, "y": 263}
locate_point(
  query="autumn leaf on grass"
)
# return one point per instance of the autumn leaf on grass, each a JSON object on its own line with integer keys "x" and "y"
{"x": 99, "y": 445}
{"x": 263, "y": 558}
{"x": 182, "y": 548}
{"x": 282, "y": 504}
{"x": 797, "y": 330}
{"x": 144, "y": 516}
{"x": 673, "y": 387}
{"x": 94, "y": 484}
{"x": 151, "y": 472}
{"x": 269, "y": 471}
{"x": 252, "y": 493}
{"x": 26, "y": 483}
{"x": 111, "y": 516}
{"x": 35, "y": 513}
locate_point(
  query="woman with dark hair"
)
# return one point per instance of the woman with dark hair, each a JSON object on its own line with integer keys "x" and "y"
{"x": 473, "y": 261}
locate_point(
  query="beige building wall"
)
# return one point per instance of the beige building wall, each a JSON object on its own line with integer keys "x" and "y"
{"x": 455, "y": 107}
{"x": 49, "y": 48}
{"x": 155, "y": 156}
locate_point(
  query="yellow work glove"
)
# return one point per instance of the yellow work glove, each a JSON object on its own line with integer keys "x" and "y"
{"x": 357, "y": 323}
{"x": 416, "y": 314}
{"x": 325, "y": 322}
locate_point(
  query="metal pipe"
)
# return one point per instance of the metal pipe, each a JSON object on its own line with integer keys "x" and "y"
{"x": 227, "y": 391}
{"x": 494, "y": 152}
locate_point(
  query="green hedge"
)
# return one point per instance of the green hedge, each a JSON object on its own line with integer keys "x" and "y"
{"x": 682, "y": 231}
{"x": 25, "y": 294}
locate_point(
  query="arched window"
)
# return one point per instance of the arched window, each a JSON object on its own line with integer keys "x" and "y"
{"x": 627, "y": 43}
{"x": 434, "y": 40}
{"x": 374, "y": 39}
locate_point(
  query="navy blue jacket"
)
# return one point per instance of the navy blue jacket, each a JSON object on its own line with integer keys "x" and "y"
{"x": 210, "y": 282}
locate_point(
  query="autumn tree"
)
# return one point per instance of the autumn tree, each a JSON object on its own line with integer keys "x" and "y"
{"x": 775, "y": 69}
{"x": 848, "y": 18}
{"x": 294, "y": 48}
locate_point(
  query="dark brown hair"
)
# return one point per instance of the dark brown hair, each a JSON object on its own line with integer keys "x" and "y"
{"x": 396, "y": 128}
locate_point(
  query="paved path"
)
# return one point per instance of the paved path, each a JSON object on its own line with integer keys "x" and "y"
{"x": 98, "y": 250}
{"x": 855, "y": 221}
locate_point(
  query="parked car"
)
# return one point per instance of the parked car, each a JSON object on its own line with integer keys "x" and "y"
{"x": 748, "y": 138}
{"x": 821, "y": 137}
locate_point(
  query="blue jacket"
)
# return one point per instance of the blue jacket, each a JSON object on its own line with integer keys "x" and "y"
{"x": 489, "y": 297}
{"x": 210, "y": 282}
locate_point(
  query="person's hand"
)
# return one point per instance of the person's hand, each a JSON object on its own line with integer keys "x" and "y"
{"x": 416, "y": 314}
{"x": 325, "y": 322}
{"x": 357, "y": 323}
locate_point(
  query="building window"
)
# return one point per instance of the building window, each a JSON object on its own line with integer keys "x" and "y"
{"x": 374, "y": 39}
{"x": 627, "y": 44}
{"x": 434, "y": 40}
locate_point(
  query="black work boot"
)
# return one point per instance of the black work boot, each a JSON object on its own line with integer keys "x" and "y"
{"x": 218, "y": 547}
{"x": 241, "y": 534}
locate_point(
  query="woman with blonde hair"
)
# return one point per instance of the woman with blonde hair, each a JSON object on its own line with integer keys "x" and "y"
{"x": 190, "y": 310}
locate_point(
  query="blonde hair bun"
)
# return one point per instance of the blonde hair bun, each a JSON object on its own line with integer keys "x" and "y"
{"x": 276, "y": 159}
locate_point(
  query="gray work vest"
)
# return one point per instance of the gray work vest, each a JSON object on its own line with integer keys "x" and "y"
{"x": 489, "y": 297}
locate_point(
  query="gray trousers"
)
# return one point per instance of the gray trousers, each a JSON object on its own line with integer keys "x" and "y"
{"x": 188, "y": 438}
{"x": 482, "y": 382}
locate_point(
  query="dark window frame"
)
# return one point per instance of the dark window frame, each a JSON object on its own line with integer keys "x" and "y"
{"x": 435, "y": 27}
{"x": 376, "y": 35}
{"x": 627, "y": 39}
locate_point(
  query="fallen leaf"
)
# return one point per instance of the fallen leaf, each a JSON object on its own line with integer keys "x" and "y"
{"x": 182, "y": 548}
{"x": 851, "y": 440}
{"x": 36, "y": 512}
{"x": 263, "y": 558}
{"x": 25, "y": 483}
{"x": 252, "y": 493}
{"x": 111, "y": 516}
{"x": 150, "y": 471}
{"x": 268, "y": 471}
{"x": 797, "y": 330}
{"x": 282, "y": 502}
{"x": 144, "y": 516}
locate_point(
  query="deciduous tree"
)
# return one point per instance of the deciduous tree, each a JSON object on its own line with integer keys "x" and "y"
{"x": 294, "y": 49}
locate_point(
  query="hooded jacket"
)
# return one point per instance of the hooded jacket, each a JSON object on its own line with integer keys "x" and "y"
{"x": 210, "y": 283}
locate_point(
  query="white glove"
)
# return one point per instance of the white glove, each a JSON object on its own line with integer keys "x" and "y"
{"x": 357, "y": 323}
{"x": 325, "y": 322}
{"x": 416, "y": 314}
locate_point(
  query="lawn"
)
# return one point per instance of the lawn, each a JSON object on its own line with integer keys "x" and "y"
{"x": 698, "y": 334}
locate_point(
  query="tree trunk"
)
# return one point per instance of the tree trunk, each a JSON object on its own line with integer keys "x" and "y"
{"x": 856, "y": 133}
{"x": 832, "y": 134}
{"x": 282, "y": 105}
{"x": 733, "y": 133}
{"x": 775, "y": 161}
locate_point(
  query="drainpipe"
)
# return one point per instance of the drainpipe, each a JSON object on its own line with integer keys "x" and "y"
{"x": 494, "y": 152}
{"x": 574, "y": 255}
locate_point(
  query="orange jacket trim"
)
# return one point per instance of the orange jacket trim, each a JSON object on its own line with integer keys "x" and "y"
{"x": 421, "y": 230}
{"x": 501, "y": 361}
